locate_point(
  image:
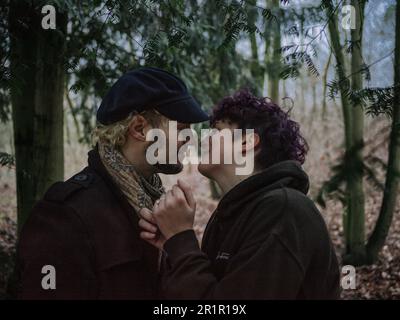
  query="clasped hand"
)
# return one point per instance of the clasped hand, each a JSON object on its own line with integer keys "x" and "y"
{"x": 172, "y": 213}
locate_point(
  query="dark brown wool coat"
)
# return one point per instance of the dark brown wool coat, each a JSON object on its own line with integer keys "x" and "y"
{"x": 87, "y": 230}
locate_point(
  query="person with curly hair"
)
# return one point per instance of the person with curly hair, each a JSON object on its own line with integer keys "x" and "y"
{"x": 266, "y": 239}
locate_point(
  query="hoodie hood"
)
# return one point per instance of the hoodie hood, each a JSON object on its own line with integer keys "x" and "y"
{"x": 285, "y": 174}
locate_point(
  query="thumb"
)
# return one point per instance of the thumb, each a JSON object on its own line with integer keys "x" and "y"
{"x": 187, "y": 190}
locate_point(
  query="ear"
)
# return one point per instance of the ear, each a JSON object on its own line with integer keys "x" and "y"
{"x": 250, "y": 141}
{"x": 137, "y": 128}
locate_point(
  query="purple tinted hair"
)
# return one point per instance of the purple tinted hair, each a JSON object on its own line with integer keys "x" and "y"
{"x": 280, "y": 136}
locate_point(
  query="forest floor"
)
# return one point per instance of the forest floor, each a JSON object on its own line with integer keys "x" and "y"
{"x": 378, "y": 281}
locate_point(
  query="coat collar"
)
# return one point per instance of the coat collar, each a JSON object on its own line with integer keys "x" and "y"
{"x": 150, "y": 253}
{"x": 287, "y": 174}
{"x": 95, "y": 164}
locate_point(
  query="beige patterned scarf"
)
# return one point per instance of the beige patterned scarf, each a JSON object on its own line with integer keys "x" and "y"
{"x": 139, "y": 191}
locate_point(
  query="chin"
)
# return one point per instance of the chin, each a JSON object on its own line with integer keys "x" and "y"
{"x": 207, "y": 170}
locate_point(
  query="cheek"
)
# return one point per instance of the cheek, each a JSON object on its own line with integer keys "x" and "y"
{"x": 181, "y": 143}
{"x": 215, "y": 150}
{"x": 226, "y": 151}
{"x": 221, "y": 151}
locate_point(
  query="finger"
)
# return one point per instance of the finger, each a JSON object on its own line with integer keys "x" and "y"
{"x": 155, "y": 205}
{"x": 178, "y": 193}
{"x": 169, "y": 199}
{"x": 147, "y": 235}
{"x": 146, "y": 226}
{"x": 157, "y": 202}
{"x": 146, "y": 214}
{"x": 173, "y": 190}
{"x": 187, "y": 190}
{"x": 161, "y": 203}
{"x": 168, "y": 195}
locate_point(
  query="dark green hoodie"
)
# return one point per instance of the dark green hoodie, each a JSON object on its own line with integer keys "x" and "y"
{"x": 265, "y": 240}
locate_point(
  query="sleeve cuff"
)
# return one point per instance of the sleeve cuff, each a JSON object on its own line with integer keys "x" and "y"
{"x": 180, "y": 244}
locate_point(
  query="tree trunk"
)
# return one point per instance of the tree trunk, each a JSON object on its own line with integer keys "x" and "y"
{"x": 255, "y": 67}
{"x": 37, "y": 71}
{"x": 343, "y": 87}
{"x": 267, "y": 56}
{"x": 356, "y": 253}
{"x": 302, "y": 105}
{"x": 324, "y": 83}
{"x": 73, "y": 112}
{"x": 256, "y": 70}
{"x": 382, "y": 226}
{"x": 274, "y": 75}
{"x": 314, "y": 108}
{"x": 314, "y": 97}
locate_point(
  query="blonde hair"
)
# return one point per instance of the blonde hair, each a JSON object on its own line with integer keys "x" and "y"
{"x": 115, "y": 133}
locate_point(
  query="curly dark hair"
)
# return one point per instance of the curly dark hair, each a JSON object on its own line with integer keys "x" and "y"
{"x": 279, "y": 135}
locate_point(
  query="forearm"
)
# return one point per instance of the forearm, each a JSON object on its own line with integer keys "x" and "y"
{"x": 189, "y": 274}
{"x": 258, "y": 271}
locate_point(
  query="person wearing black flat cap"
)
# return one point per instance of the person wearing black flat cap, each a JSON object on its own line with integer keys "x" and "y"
{"x": 82, "y": 240}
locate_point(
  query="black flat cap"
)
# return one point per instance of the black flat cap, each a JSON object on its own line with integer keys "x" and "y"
{"x": 150, "y": 88}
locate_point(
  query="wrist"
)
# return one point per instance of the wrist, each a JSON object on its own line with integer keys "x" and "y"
{"x": 172, "y": 233}
{"x": 180, "y": 244}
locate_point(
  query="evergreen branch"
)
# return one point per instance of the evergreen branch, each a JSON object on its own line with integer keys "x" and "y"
{"x": 7, "y": 159}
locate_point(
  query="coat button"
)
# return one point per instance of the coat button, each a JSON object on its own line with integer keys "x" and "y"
{"x": 80, "y": 177}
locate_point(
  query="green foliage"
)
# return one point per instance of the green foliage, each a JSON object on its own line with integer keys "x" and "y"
{"x": 301, "y": 23}
{"x": 294, "y": 61}
{"x": 196, "y": 40}
{"x": 373, "y": 169}
{"x": 344, "y": 169}
{"x": 376, "y": 101}
{"x": 6, "y": 159}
